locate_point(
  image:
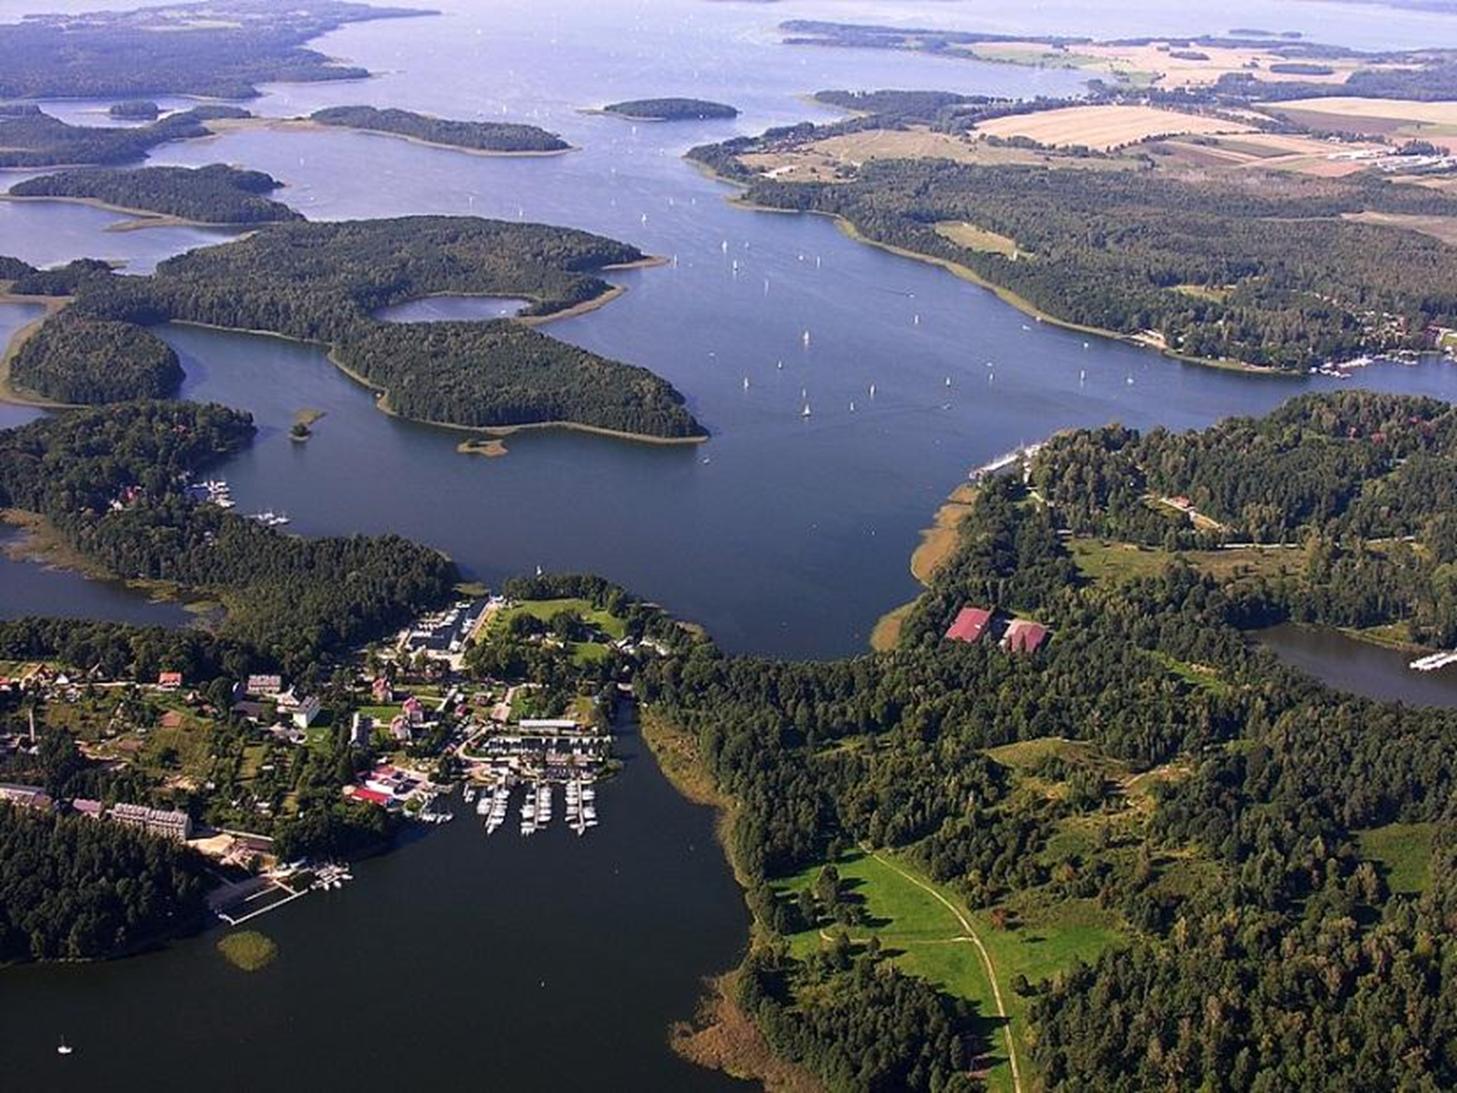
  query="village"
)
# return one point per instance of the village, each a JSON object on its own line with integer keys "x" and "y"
{"x": 217, "y": 764}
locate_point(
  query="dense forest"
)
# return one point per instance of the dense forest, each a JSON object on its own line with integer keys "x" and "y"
{"x": 36, "y": 139}
{"x": 502, "y": 373}
{"x": 227, "y": 49}
{"x": 75, "y": 889}
{"x": 671, "y": 109}
{"x": 216, "y": 194}
{"x": 323, "y": 282}
{"x": 111, "y": 481}
{"x": 1263, "y": 270}
{"x": 481, "y": 136}
{"x": 76, "y": 359}
{"x": 1261, "y": 948}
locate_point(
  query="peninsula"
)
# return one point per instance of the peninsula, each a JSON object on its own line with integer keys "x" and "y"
{"x": 217, "y": 194}
{"x": 1167, "y": 223}
{"x": 961, "y": 814}
{"x": 33, "y": 138}
{"x": 502, "y": 138}
{"x": 671, "y": 109}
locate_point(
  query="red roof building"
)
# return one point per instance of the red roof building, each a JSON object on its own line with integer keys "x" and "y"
{"x": 372, "y": 796}
{"x": 971, "y": 623}
{"x": 1024, "y": 636}
{"x": 169, "y": 680}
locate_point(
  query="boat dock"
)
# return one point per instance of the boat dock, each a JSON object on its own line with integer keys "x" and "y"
{"x": 1434, "y": 661}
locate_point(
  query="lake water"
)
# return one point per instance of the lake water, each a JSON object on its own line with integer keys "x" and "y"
{"x": 554, "y": 962}
{"x": 782, "y": 534}
{"x": 1359, "y": 667}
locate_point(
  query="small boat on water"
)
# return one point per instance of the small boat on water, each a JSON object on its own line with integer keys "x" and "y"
{"x": 805, "y": 411}
{"x": 65, "y": 1048}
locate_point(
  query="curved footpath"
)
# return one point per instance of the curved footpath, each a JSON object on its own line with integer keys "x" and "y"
{"x": 986, "y": 960}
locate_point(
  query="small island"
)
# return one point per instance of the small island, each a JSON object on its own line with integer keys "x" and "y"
{"x": 671, "y": 109}
{"x": 217, "y": 194}
{"x": 135, "y": 110}
{"x": 494, "y": 137}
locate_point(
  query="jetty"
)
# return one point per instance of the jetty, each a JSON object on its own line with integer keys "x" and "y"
{"x": 1005, "y": 460}
{"x": 1433, "y": 661}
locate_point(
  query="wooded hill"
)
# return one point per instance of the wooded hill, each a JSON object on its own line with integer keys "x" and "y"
{"x": 481, "y": 136}
{"x": 324, "y": 282}
{"x": 216, "y": 194}
{"x": 1149, "y": 784}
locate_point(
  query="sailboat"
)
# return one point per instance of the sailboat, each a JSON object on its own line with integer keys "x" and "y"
{"x": 805, "y": 339}
{"x": 65, "y": 1048}
{"x": 779, "y": 364}
{"x": 746, "y": 383}
{"x": 805, "y": 411}
{"x": 852, "y": 406}
{"x": 872, "y": 390}
{"x": 948, "y": 381}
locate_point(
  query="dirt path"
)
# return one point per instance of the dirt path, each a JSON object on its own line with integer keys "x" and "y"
{"x": 986, "y": 960}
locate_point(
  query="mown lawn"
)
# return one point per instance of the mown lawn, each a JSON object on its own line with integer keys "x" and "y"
{"x": 1403, "y": 852}
{"x": 925, "y": 938}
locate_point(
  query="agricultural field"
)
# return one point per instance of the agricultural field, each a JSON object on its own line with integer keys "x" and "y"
{"x": 1433, "y": 121}
{"x": 1266, "y": 152}
{"x": 1443, "y": 228}
{"x": 1105, "y": 127}
{"x": 833, "y": 159}
{"x": 1160, "y": 64}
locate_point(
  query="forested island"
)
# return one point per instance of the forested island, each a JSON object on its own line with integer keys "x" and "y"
{"x": 32, "y": 138}
{"x": 135, "y": 110}
{"x": 474, "y": 136}
{"x": 671, "y": 109}
{"x": 218, "y": 50}
{"x": 1155, "y": 831}
{"x": 216, "y": 194}
{"x": 324, "y": 282}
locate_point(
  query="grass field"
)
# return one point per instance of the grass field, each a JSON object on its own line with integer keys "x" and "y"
{"x": 966, "y": 234}
{"x": 546, "y": 610}
{"x": 1104, "y": 127}
{"x": 925, "y": 938}
{"x": 1349, "y": 106}
{"x": 1107, "y": 560}
{"x": 1403, "y": 851}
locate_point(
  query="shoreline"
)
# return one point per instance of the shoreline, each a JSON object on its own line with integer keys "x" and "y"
{"x": 308, "y": 125}
{"x": 9, "y": 392}
{"x": 1004, "y": 294}
{"x": 140, "y": 218}
{"x": 721, "y": 1036}
{"x": 496, "y": 432}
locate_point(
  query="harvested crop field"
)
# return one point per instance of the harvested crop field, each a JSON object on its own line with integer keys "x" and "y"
{"x": 836, "y": 157}
{"x": 1443, "y": 228}
{"x": 1105, "y": 127}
